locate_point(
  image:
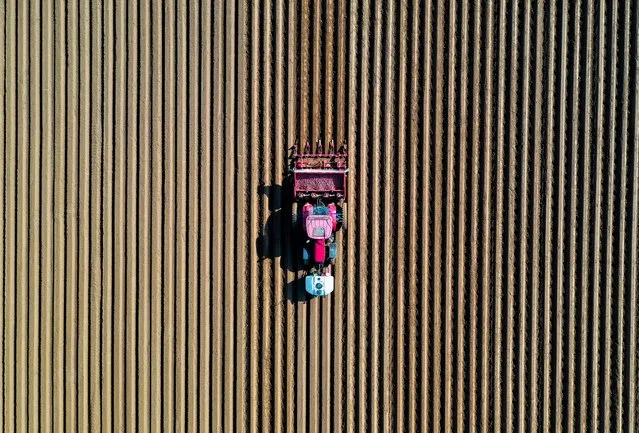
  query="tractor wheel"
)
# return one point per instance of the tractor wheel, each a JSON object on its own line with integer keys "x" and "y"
{"x": 306, "y": 257}
{"x": 342, "y": 216}
{"x": 294, "y": 216}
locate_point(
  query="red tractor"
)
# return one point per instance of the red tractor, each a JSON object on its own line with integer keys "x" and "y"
{"x": 319, "y": 179}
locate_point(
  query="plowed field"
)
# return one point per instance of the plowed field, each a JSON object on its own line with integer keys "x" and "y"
{"x": 488, "y": 277}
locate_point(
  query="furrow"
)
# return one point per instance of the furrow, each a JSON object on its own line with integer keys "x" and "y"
{"x": 293, "y": 134}
{"x": 132, "y": 283}
{"x": 511, "y": 171}
{"x": 362, "y": 357}
{"x": 84, "y": 222}
{"x": 437, "y": 227}
{"x": 96, "y": 289}
{"x": 156, "y": 170}
{"x": 390, "y": 263}
{"x": 486, "y": 253}
{"x": 46, "y": 239}
{"x": 107, "y": 254}
{"x": 351, "y": 393}
{"x": 193, "y": 239}
{"x": 143, "y": 214}
{"x": 523, "y": 385}
{"x": 498, "y": 388}
{"x": 279, "y": 278}
{"x": 573, "y": 151}
{"x": 378, "y": 235}
{"x": 204, "y": 271}
{"x": 536, "y": 358}
{"x": 426, "y": 366}
{"x": 461, "y": 297}
{"x": 414, "y": 287}
{"x": 119, "y": 216}
{"x": 548, "y": 400}
{"x": 476, "y": 112}
{"x": 267, "y": 242}
{"x": 326, "y": 90}
{"x": 558, "y": 325}
{"x": 169, "y": 218}
{"x": 586, "y": 201}
{"x": 3, "y": 184}
{"x": 59, "y": 220}
{"x": 217, "y": 249}
{"x": 228, "y": 235}
{"x": 239, "y": 206}
{"x": 71, "y": 226}
{"x": 34, "y": 143}
{"x": 181, "y": 215}
{"x": 611, "y": 196}
{"x": 398, "y": 322}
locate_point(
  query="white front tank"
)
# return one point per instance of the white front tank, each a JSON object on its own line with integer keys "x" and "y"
{"x": 319, "y": 285}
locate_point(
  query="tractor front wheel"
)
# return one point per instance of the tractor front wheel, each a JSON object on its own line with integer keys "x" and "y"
{"x": 294, "y": 215}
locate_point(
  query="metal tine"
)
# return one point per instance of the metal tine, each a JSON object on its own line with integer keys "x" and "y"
{"x": 307, "y": 147}
{"x": 331, "y": 147}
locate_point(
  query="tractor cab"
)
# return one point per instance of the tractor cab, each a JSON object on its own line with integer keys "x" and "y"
{"x": 319, "y": 227}
{"x": 319, "y": 223}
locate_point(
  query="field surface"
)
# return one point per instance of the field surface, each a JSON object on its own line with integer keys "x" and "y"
{"x": 489, "y": 276}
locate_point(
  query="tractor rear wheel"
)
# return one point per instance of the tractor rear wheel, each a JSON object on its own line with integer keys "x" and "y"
{"x": 342, "y": 216}
{"x": 294, "y": 215}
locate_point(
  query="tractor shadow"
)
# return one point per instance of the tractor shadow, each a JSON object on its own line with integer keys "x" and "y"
{"x": 278, "y": 240}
